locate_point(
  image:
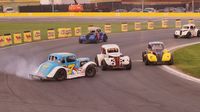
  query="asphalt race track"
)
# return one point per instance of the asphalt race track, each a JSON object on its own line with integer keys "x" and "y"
{"x": 143, "y": 89}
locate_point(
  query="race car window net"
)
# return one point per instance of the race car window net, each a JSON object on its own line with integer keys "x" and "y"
{"x": 112, "y": 50}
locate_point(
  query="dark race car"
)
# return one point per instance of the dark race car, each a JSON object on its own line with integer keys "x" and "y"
{"x": 94, "y": 36}
{"x": 157, "y": 54}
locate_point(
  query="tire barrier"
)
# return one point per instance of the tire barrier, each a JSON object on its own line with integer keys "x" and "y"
{"x": 1, "y": 41}
{"x": 51, "y": 34}
{"x": 17, "y": 38}
{"x": 36, "y": 35}
{"x": 178, "y": 23}
{"x": 107, "y": 28}
{"x": 8, "y": 39}
{"x": 77, "y": 31}
{"x": 150, "y": 25}
{"x": 164, "y": 23}
{"x": 27, "y": 36}
{"x": 124, "y": 27}
{"x": 191, "y": 21}
{"x": 137, "y": 26}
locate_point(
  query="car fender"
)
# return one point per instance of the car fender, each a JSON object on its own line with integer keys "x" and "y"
{"x": 84, "y": 67}
{"x": 126, "y": 60}
{"x": 151, "y": 57}
{"x": 185, "y": 33}
{"x": 177, "y": 32}
{"x": 166, "y": 57}
{"x": 53, "y": 72}
{"x": 108, "y": 61}
{"x": 100, "y": 57}
{"x": 196, "y": 32}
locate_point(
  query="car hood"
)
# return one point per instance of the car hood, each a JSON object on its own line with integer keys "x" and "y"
{"x": 158, "y": 52}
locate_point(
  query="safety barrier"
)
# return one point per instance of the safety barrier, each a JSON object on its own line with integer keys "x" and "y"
{"x": 66, "y": 32}
{"x": 100, "y": 14}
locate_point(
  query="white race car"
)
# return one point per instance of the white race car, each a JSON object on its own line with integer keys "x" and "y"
{"x": 187, "y": 31}
{"x": 112, "y": 58}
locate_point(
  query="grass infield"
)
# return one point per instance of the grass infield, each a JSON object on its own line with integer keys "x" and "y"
{"x": 187, "y": 59}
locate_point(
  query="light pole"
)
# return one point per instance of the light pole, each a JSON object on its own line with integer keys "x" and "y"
{"x": 192, "y": 5}
{"x": 142, "y": 5}
{"x": 52, "y": 5}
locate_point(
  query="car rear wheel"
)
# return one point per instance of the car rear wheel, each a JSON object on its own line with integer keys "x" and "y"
{"x": 189, "y": 35}
{"x": 198, "y": 33}
{"x": 90, "y": 71}
{"x": 60, "y": 75}
{"x": 80, "y": 41}
{"x": 105, "y": 38}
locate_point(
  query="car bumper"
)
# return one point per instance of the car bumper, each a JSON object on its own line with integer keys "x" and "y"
{"x": 37, "y": 77}
{"x": 160, "y": 62}
{"x": 117, "y": 67}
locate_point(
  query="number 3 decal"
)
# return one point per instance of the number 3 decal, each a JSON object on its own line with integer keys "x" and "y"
{"x": 70, "y": 67}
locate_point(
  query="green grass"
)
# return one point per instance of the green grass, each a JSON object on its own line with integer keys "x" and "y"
{"x": 188, "y": 60}
{"x": 13, "y": 27}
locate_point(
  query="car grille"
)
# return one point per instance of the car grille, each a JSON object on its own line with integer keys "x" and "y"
{"x": 117, "y": 61}
{"x": 159, "y": 57}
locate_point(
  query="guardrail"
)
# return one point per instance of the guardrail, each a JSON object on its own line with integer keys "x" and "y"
{"x": 100, "y": 14}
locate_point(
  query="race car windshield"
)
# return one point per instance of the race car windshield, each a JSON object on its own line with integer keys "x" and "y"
{"x": 185, "y": 27}
{"x": 157, "y": 47}
{"x": 112, "y": 50}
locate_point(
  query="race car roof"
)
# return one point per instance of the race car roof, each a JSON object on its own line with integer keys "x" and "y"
{"x": 107, "y": 46}
{"x": 155, "y": 42}
{"x": 93, "y": 28}
{"x": 62, "y": 54}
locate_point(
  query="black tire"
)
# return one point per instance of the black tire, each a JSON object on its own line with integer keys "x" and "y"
{"x": 143, "y": 58}
{"x": 105, "y": 38}
{"x": 60, "y": 75}
{"x": 198, "y": 33}
{"x": 171, "y": 62}
{"x": 96, "y": 61}
{"x": 104, "y": 65}
{"x": 189, "y": 35}
{"x": 175, "y": 36}
{"x": 80, "y": 41}
{"x": 129, "y": 66}
{"x": 146, "y": 61}
{"x": 90, "y": 70}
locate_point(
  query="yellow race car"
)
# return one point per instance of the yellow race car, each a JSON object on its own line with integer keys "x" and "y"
{"x": 157, "y": 54}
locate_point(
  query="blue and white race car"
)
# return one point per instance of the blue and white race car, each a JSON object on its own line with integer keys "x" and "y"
{"x": 94, "y": 36}
{"x": 60, "y": 66}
